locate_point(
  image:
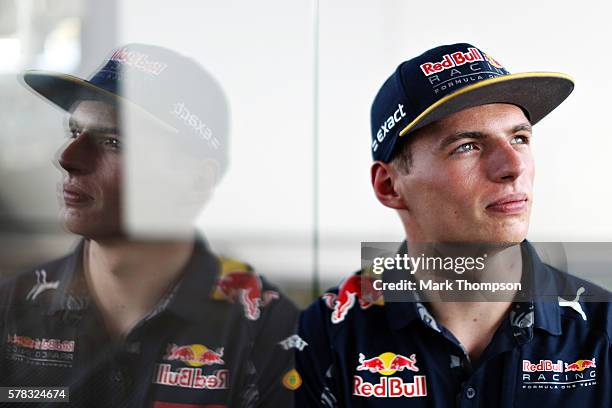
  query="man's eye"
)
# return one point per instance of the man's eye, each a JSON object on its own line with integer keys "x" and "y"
{"x": 73, "y": 133}
{"x": 112, "y": 143}
{"x": 465, "y": 148}
{"x": 520, "y": 140}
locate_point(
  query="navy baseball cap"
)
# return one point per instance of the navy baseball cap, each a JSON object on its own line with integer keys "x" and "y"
{"x": 448, "y": 79}
{"x": 172, "y": 90}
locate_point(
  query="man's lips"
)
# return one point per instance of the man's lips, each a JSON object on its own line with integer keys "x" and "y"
{"x": 509, "y": 204}
{"x": 75, "y": 197}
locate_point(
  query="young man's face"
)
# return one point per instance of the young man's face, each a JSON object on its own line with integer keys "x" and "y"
{"x": 471, "y": 178}
{"x": 92, "y": 177}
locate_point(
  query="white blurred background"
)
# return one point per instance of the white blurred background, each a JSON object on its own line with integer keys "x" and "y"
{"x": 300, "y": 77}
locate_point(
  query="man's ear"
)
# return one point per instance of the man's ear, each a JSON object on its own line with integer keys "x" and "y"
{"x": 207, "y": 172}
{"x": 384, "y": 177}
{"x": 204, "y": 176}
{"x": 211, "y": 173}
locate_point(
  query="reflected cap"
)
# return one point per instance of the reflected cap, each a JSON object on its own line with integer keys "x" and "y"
{"x": 171, "y": 89}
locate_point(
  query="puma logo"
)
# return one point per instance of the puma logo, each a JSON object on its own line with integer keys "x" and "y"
{"x": 41, "y": 285}
{"x": 574, "y": 303}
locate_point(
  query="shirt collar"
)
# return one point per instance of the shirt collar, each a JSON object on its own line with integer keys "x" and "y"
{"x": 184, "y": 299}
{"x": 404, "y": 311}
{"x": 542, "y": 291}
{"x": 189, "y": 298}
{"x": 71, "y": 293}
{"x": 524, "y": 315}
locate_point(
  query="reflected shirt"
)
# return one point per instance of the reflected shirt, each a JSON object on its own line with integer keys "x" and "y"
{"x": 214, "y": 340}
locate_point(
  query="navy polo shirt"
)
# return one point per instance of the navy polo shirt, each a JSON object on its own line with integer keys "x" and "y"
{"x": 368, "y": 353}
{"x": 217, "y": 339}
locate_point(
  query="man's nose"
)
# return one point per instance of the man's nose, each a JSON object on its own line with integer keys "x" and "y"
{"x": 77, "y": 156}
{"x": 507, "y": 162}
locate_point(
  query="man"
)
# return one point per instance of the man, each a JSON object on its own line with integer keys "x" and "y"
{"x": 141, "y": 313}
{"x": 451, "y": 134}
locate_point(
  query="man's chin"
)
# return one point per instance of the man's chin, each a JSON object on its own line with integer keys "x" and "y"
{"x": 505, "y": 239}
{"x": 499, "y": 239}
{"x": 504, "y": 234}
{"x": 92, "y": 231}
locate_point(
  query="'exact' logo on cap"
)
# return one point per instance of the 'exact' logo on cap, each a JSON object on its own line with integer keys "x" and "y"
{"x": 182, "y": 112}
{"x": 387, "y": 125}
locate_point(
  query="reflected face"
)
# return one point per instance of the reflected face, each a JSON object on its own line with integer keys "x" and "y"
{"x": 165, "y": 186}
{"x": 92, "y": 164}
{"x": 168, "y": 179}
{"x": 471, "y": 177}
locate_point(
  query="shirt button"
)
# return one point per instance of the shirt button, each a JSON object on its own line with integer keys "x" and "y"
{"x": 470, "y": 393}
{"x": 117, "y": 376}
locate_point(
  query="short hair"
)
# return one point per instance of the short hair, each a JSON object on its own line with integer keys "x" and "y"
{"x": 401, "y": 157}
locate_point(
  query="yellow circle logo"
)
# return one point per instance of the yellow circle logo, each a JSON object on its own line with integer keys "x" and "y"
{"x": 198, "y": 350}
{"x": 292, "y": 380}
{"x": 387, "y": 358}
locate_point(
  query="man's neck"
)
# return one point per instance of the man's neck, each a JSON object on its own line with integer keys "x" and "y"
{"x": 474, "y": 322}
{"x": 128, "y": 278}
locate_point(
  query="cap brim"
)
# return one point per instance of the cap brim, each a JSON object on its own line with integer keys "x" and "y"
{"x": 539, "y": 93}
{"x": 65, "y": 90}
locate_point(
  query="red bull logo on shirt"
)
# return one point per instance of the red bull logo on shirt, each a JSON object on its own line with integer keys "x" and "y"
{"x": 547, "y": 374}
{"x": 542, "y": 365}
{"x": 388, "y": 364}
{"x": 40, "y": 351}
{"x": 390, "y": 387}
{"x": 580, "y": 365}
{"x": 194, "y": 355}
{"x": 239, "y": 283}
{"x": 355, "y": 288}
{"x": 190, "y": 378}
{"x": 41, "y": 344}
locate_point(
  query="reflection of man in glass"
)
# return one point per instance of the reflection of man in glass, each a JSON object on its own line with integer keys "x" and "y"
{"x": 451, "y": 134}
{"x": 142, "y": 313}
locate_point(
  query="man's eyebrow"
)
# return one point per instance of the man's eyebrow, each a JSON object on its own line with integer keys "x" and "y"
{"x": 96, "y": 129}
{"x": 458, "y": 136}
{"x": 522, "y": 126}
{"x": 478, "y": 135}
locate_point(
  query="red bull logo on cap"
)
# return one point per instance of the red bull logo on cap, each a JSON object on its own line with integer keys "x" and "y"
{"x": 493, "y": 61}
{"x": 194, "y": 355}
{"x": 453, "y": 60}
{"x": 138, "y": 60}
